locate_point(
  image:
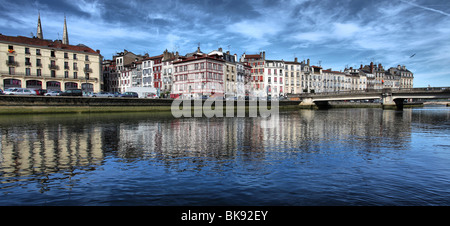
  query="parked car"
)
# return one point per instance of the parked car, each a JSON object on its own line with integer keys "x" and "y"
{"x": 1, "y": 92}
{"x": 6, "y": 91}
{"x": 53, "y": 93}
{"x": 39, "y": 92}
{"x": 20, "y": 91}
{"x": 129, "y": 94}
{"x": 72, "y": 92}
{"x": 102, "y": 94}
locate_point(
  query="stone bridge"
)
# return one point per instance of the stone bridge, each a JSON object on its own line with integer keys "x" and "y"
{"x": 390, "y": 98}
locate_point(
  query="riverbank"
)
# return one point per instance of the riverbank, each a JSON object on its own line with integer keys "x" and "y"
{"x": 59, "y": 105}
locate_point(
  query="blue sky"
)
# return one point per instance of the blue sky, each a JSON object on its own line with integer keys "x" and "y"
{"x": 335, "y": 33}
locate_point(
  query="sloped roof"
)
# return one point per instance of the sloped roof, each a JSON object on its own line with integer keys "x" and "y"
{"x": 57, "y": 44}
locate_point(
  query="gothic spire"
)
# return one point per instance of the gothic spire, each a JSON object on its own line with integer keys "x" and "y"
{"x": 65, "y": 34}
{"x": 39, "y": 34}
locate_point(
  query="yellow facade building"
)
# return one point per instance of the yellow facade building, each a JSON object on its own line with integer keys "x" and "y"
{"x": 45, "y": 64}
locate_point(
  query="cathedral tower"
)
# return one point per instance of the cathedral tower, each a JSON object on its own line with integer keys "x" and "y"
{"x": 65, "y": 34}
{"x": 39, "y": 28}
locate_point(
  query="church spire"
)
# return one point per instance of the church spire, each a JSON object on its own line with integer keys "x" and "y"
{"x": 39, "y": 28}
{"x": 65, "y": 34}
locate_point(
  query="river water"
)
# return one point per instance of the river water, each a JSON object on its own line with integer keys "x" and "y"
{"x": 299, "y": 157}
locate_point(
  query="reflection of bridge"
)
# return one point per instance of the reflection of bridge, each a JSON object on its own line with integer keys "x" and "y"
{"x": 390, "y": 98}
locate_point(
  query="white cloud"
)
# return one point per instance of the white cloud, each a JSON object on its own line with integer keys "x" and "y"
{"x": 345, "y": 30}
{"x": 317, "y": 36}
{"x": 255, "y": 29}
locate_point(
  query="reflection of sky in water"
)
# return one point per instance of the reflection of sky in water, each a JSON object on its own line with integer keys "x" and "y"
{"x": 341, "y": 156}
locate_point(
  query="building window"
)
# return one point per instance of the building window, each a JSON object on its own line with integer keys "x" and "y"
{"x": 27, "y": 71}
{"x": 74, "y": 56}
{"x": 66, "y": 74}
{"x": 53, "y": 73}
{"x": 12, "y": 70}
{"x": 86, "y": 58}
{"x": 66, "y": 55}
{"x": 38, "y": 63}
{"x": 27, "y": 50}
{"x": 38, "y": 72}
{"x": 52, "y": 53}
{"x": 38, "y": 52}
{"x": 27, "y": 61}
{"x": 10, "y": 60}
{"x": 75, "y": 75}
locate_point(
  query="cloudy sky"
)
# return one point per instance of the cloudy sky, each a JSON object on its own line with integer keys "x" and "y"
{"x": 333, "y": 33}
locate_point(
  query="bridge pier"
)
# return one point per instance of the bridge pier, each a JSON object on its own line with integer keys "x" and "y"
{"x": 389, "y": 103}
{"x": 307, "y": 103}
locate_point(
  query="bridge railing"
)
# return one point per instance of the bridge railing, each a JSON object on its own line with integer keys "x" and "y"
{"x": 426, "y": 89}
{"x": 374, "y": 91}
{"x": 337, "y": 93}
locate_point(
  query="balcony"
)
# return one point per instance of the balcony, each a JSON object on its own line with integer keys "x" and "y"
{"x": 87, "y": 70}
{"x": 12, "y": 63}
{"x": 53, "y": 67}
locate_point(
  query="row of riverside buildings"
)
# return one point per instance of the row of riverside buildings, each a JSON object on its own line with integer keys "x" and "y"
{"x": 218, "y": 73}
{"x": 56, "y": 65}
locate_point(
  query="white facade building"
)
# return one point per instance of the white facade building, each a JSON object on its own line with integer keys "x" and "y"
{"x": 274, "y": 73}
{"x": 147, "y": 72}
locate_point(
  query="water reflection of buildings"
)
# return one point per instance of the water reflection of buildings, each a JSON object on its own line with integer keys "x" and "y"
{"x": 42, "y": 148}
{"x": 27, "y": 151}
{"x": 252, "y": 138}
{"x": 185, "y": 137}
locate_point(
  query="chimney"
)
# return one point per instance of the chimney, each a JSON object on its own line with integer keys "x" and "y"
{"x": 264, "y": 55}
{"x": 296, "y": 60}
{"x": 220, "y": 49}
{"x": 371, "y": 67}
{"x": 307, "y": 62}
